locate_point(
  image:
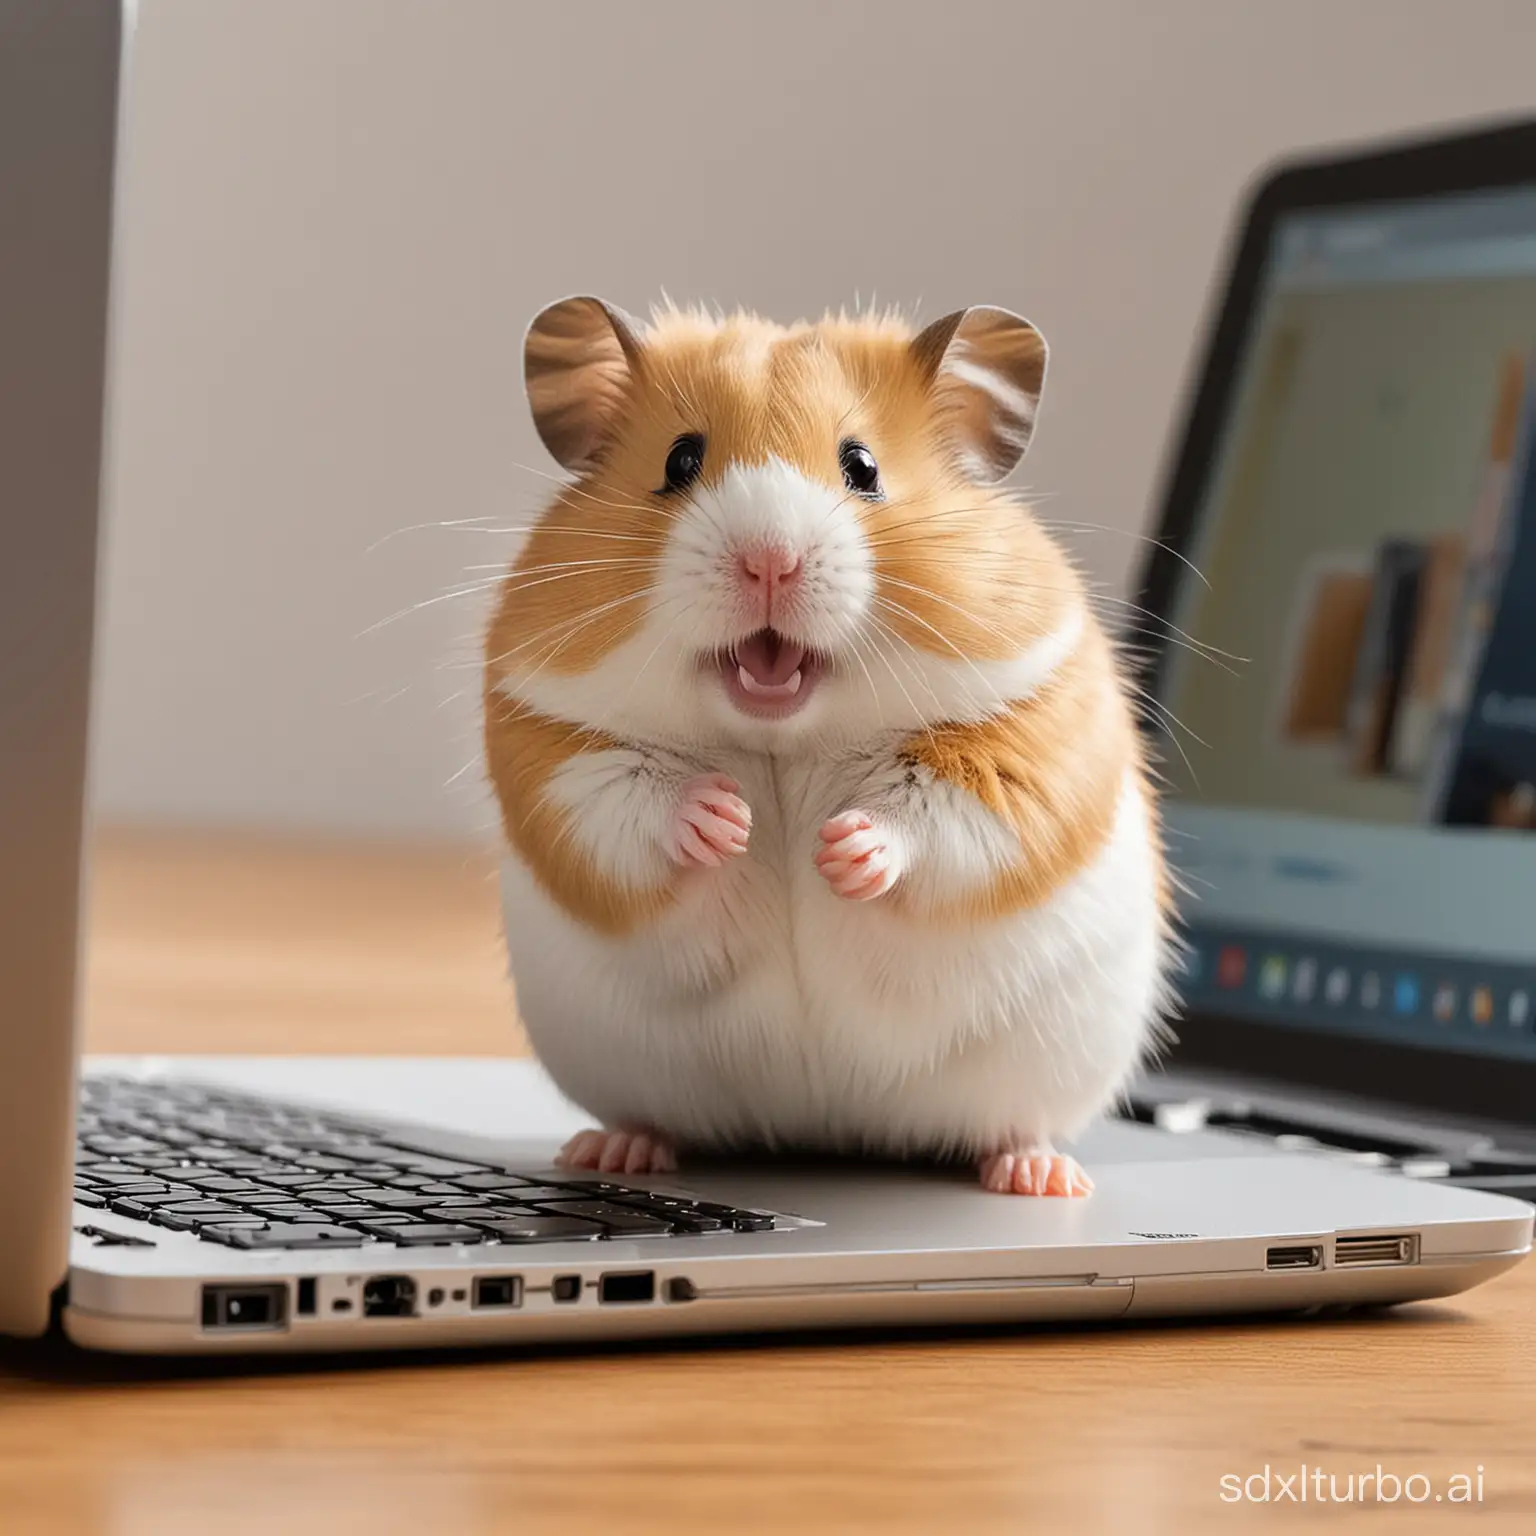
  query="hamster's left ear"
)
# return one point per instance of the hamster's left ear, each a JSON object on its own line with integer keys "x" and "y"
{"x": 986, "y": 367}
{"x": 580, "y": 357}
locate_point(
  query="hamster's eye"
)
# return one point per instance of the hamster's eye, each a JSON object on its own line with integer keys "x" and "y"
{"x": 684, "y": 462}
{"x": 860, "y": 472}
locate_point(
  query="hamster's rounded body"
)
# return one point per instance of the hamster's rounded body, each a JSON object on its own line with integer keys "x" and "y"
{"x": 827, "y": 821}
{"x": 764, "y": 1010}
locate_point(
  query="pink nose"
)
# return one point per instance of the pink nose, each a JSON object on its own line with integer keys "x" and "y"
{"x": 767, "y": 567}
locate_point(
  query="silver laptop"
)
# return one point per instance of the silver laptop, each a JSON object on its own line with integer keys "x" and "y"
{"x": 157, "y": 1208}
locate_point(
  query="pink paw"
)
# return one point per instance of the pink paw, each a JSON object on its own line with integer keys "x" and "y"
{"x": 711, "y": 824}
{"x": 856, "y": 859}
{"x": 1036, "y": 1171}
{"x": 619, "y": 1152}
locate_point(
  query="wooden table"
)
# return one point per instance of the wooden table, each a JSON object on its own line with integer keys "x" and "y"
{"x": 221, "y": 945}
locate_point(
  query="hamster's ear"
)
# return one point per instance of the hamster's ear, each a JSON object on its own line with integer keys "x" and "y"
{"x": 579, "y": 357}
{"x": 986, "y": 367}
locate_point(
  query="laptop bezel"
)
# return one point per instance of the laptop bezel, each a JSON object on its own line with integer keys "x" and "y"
{"x": 1450, "y": 1082}
{"x": 60, "y": 71}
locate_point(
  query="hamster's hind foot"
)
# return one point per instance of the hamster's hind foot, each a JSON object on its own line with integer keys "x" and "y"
{"x": 1034, "y": 1170}
{"x": 856, "y": 858}
{"x": 711, "y": 823}
{"x": 619, "y": 1152}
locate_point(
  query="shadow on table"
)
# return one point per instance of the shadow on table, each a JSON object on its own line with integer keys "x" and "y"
{"x": 53, "y": 1361}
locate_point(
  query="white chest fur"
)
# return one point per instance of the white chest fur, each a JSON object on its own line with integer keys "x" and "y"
{"x": 762, "y": 1008}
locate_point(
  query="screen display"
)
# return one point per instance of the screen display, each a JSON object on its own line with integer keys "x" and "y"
{"x": 1353, "y": 677}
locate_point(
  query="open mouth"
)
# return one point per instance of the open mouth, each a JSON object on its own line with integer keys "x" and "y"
{"x": 769, "y": 675}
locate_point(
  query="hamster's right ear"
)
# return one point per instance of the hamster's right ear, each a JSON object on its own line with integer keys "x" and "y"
{"x": 579, "y": 357}
{"x": 987, "y": 368}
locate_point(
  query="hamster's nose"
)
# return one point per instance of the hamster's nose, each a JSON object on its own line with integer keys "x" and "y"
{"x": 766, "y": 568}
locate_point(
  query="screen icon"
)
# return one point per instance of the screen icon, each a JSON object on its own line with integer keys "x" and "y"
{"x": 1405, "y": 994}
{"x": 1370, "y": 990}
{"x": 1519, "y": 1009}
{"x": 1480, "y": 1005}
{"x": 1304, "y": 986}
{"x": 1272, "y": 976}
{"x": 1445, "y": 1002}
{"x": 1231, "y": 966}
{"x": 1336, "y": 987}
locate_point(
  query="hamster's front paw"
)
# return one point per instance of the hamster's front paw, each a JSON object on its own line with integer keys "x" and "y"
{"x": 619, "y": 1152}
{"x": 711, "y": 823}
{"x": 1035, "y": 1170}
{"x": 856, "y": 858}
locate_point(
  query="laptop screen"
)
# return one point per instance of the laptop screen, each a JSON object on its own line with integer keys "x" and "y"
{"x": 1353, "y": 772}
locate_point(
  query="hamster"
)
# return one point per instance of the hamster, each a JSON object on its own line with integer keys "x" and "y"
{"x": 827, "y": 821}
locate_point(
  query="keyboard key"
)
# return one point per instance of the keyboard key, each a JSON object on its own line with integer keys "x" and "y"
{"x": 111, "y": 1178}
{"x": 89, "y": 1197}
{"x": 472, "y": 1212}
{"x": 437, "y": 1167}
{"x": 421, "y": 1234}
{"x": 287, "y": 1236}
{"x": 121, "y": 1146}
{"x": 400, "y": 1199}
{"x": 200, "y": 1208}
{"x": 149, "y": 1200}
{"x": 540, "y": 1229}
{"x": 616, "y": 1220}
{"x": 219, "y": 1183}
{"x": 751, "y": 1221}
{"x": 164, "y": 1218}
{"x": 486, "y": 1181}
{"x": 528, "y": 1193}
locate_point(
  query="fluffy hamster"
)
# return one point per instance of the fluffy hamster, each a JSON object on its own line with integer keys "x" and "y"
{"x": 827, "y": 821}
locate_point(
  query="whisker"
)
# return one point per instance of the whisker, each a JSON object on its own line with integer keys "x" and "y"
{"x": 471, "y": 590}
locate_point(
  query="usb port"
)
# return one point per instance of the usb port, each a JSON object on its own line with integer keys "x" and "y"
{"x": 245, "y": 1308}
{"x": 1376, "y": 1252}
{"x": 631, "y": 1286}
{"x": 1296, "y": 1256}
{"x": 498, "y": 1291}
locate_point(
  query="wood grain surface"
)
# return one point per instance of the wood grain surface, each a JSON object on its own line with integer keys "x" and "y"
{"x": 218, "y": 944}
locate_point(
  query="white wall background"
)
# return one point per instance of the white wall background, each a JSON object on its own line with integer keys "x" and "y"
{"x": 339, "y": 215}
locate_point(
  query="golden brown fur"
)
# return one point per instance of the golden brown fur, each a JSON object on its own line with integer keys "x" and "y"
{"x": 962, "y": 569}
{"x": 1052, "y": 768}
{"x": 523, "y": 751}
{"x": 962, "y": 572}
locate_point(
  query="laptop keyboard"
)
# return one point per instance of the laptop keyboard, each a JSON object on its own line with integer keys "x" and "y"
{"x": 255, "y": 1174}
{"x": 1482, "y": 1166}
